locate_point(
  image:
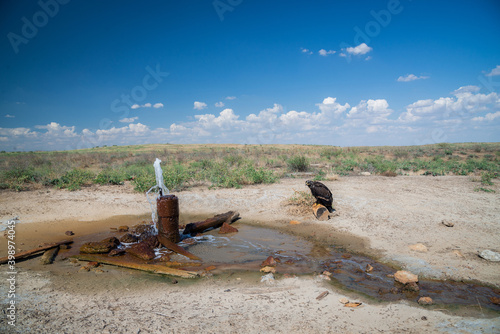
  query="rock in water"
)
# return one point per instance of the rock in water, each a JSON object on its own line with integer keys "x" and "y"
{"x": 142, "y": 250}
{"x": 226, "y": 228}
{"x": 425, "y": 301}
{"x": 269, "y": 262}
{"x": 405, "y": 277}
{"x": 49, "y": 256}
{"x": 128, "y": 238}
{"x": 490, "y": 255}
{"x": 101, "y": 247}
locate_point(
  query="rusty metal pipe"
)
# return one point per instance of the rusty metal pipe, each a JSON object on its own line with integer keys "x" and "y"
{"x": 168, "y": 218}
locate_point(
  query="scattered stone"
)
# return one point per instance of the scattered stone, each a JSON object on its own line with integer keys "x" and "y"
{"x": 268, "y": 269}
{"x": 289, "y": 262}
{"x": 368, "y": 268}
{"x": 458, "y": 253}
{"x": 353, "y": 304}
{"x": 394, "y": 290}
{"x": 97, "y": 270}
{"x": 490, "y": 255}
{"x": 151, "y": 240}
{"x": 69, "y": 233}
{"x": 424, "y": 318}
{"x": 344, "y": 300}
{"x": 101, "y": 247}
{"x": 294, "y": 222}
{"x": 190, "y": 241}
{"x": 269, "y": 262}
{"x": 63, "y": 246}
{"x": 268, "y": 279}
{"x": 322, "y": 295}
{"x": 226, "y": 228}
{"x": 92, "y": 264}
{"x": 411, "y": 287}
{"x": 365, "y": 173}
{"x": 143, "y": 228}
{"x": 210, "y": 268}
{"x": 123, "y": 228}
{"x": 84, "y": 268}
{"x": 447, "y": 223}
{"x": 495, "y": 300}
{"x": 116, "y": 252}
{"x": 227, "y": 290}
{"x": 418, "y": 248}
{"x": 323, "y": 278}
{"x": 326, "y": 273}
{"x": 164, "y": 258}
{"x": 405, "y": 277}
{"x": 142, "y": 250}
{"x": 174, "y": 281}
{"x": 128, "y": 238}
{"x": 425, "y": 301}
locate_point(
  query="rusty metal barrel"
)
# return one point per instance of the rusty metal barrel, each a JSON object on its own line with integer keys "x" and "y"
{"x": 168, "y": 218}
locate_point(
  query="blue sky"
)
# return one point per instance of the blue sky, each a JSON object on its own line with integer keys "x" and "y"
{"x": 81, "y": 74}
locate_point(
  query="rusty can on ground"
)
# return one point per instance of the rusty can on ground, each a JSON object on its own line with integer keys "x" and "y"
{"x": 168, "y": 218}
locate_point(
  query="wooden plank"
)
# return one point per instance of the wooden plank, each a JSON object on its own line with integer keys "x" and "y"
{"x": 30, "y": 252}
{"x": 214, "y": 222}
{"x": 152, "y": 268}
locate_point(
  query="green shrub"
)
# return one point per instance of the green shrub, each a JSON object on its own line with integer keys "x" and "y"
{"x": 74, "y": 179}
{"x": 17, "y": 178}
{"x": 110, "y": 176}
{"x": 298, "y": 163}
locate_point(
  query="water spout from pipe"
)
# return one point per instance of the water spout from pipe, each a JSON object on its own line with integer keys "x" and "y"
{"x": 160, "y": 190}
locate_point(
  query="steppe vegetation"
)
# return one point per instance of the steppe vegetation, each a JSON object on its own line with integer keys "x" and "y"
{"x": 238, "y": 165}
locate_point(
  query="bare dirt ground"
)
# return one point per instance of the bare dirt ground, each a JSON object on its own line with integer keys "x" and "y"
{"x": 377, "y": 216}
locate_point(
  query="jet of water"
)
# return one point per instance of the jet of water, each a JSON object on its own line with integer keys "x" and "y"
{"x": 159, "y": 178}
{"x": 162, "y": 190}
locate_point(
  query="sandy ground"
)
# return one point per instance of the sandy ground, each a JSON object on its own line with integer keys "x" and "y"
{"x": 378, "y": 216}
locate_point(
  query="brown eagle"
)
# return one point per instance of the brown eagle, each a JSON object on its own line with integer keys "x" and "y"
{"x": 322, "y": 194}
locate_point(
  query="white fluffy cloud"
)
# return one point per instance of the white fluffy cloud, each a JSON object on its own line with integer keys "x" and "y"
{"x": 411, "y": 77}
{"x": 199, "y": 105}
{"x": 55, "y": 129}
{"x": 331, "y": 107}
{"x": 147, "y": 105}
{"x": 465, "y": 100}
{"x": 219, "y": 104}
{"x": 487, "y": 117}
{"x": 230, "y": 97}
{"x": 129, "y": 120}
{"x": 9, "y": 116}
{"x": 325, "y": 53}
{"x": 493, "y": 72}
{"x": 307, "y": 51}
{"x": 358, "y": 50}
{"x": 330, "y": 122}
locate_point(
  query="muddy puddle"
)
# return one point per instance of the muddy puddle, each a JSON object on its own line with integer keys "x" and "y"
{"x": 356, "y": 274}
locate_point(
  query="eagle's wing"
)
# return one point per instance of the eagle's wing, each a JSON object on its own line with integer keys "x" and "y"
{"x": 321, "y": 191}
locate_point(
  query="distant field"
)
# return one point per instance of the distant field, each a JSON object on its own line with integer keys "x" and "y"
{"x": 238, "y": 165}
